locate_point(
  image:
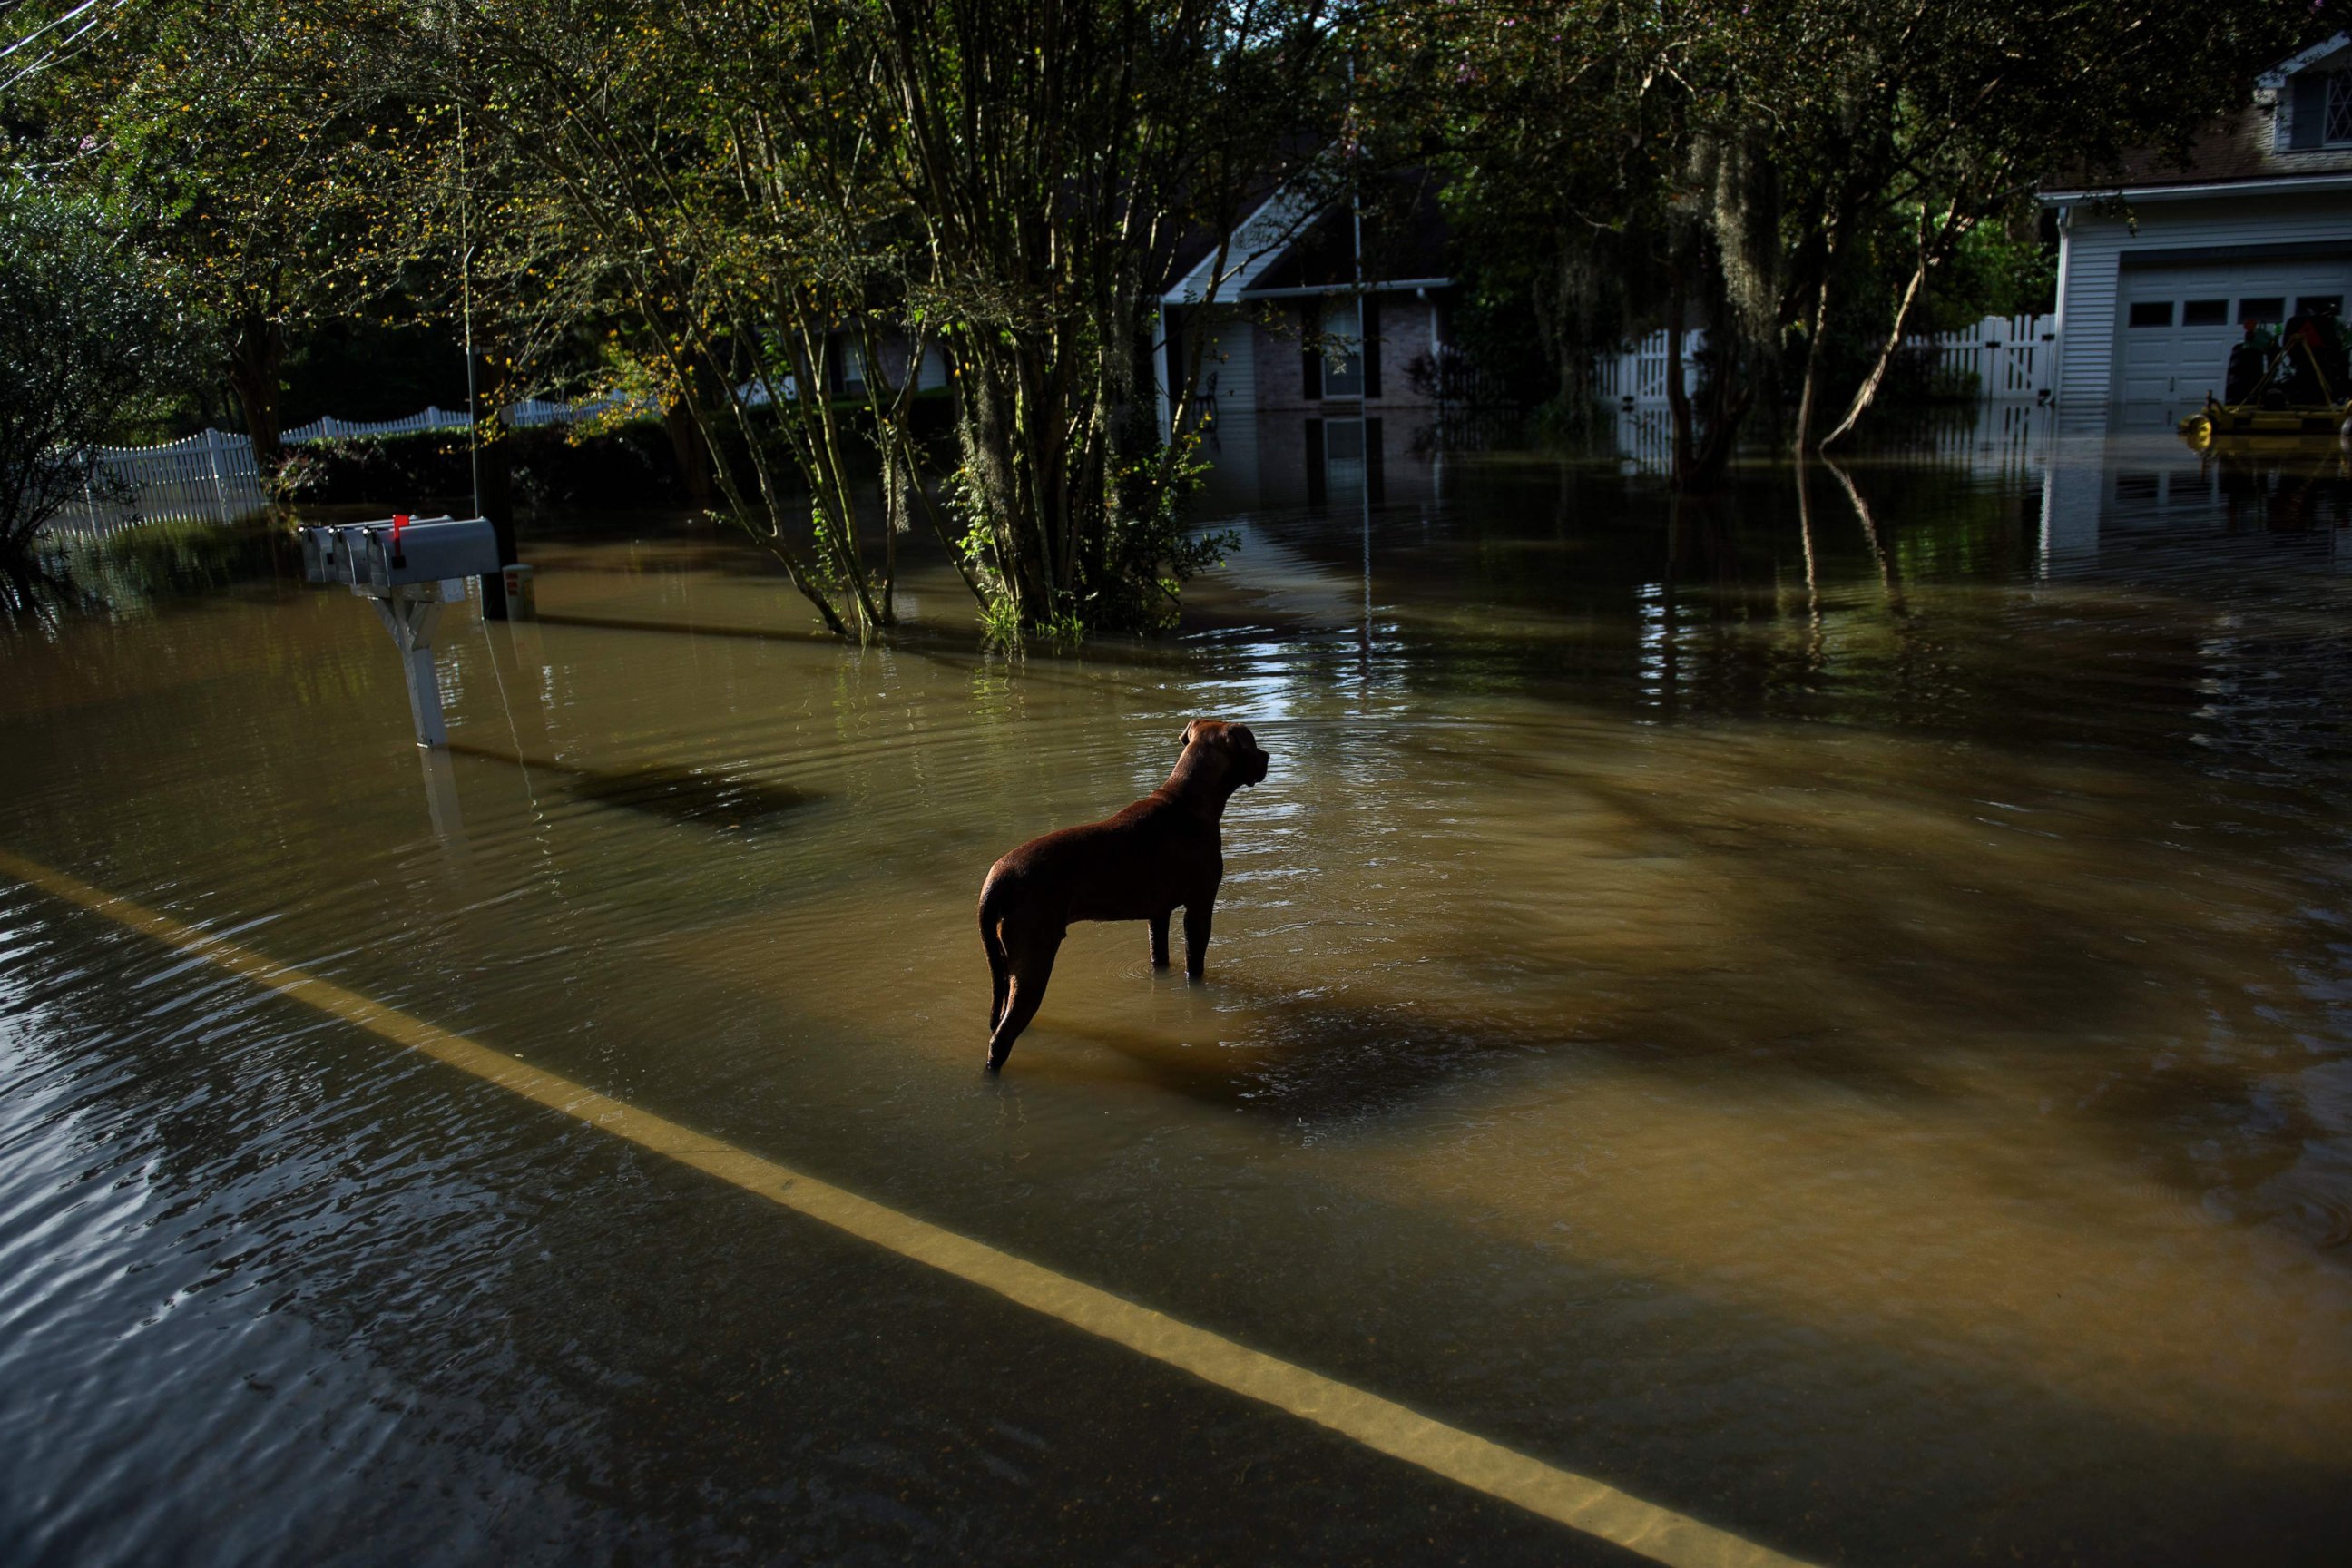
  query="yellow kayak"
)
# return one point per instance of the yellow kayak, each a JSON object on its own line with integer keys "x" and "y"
{"x": 2221, "y": 421}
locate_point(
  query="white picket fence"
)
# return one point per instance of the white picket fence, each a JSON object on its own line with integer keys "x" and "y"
{"x": 2014, "y": 359}
{"x": 1638, "y": 374}
{"x": 211, "y": 477}
{"x": 1996, "y": 440}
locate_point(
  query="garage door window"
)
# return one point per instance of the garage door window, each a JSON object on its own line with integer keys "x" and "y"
{"x": 2151, "y": 313}
{"x": 2320, "y": 304}
{"x": 2205, "y": 313}
{"x": 2269, "y": 313}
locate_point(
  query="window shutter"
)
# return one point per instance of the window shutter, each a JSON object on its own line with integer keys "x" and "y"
{"x": 1310, "y": 367}
{"x": 1372, "y": 345}
{"x": 2308, "y": 118}
{"x": 1315, "y": 476}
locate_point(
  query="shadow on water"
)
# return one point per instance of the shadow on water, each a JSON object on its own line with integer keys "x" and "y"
{"x": 1314, "y": 1066}
{"x": 711, "y": 799}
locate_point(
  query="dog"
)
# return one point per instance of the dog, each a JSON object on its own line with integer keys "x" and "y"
{"x": 1164, "y": 851}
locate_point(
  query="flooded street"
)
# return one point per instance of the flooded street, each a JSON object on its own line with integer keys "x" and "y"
{"x": 1829, "y": 1011}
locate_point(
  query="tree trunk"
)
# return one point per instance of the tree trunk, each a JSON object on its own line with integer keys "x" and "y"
{"x": 1809, "y": 394}
{"x": 1729, "y": 396}
{"x": 257, "y": 354}
{"x": 1677, "y": 397}
{"x": 494, "y": 476}
{"x": 1932, "y": 249}
{"x": 1868, "y": 390}
{"x": 1806, "y": 395}
{"x": 687, "y": 443}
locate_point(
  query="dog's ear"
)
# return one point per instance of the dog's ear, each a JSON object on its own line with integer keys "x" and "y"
{"x": 1186, "y": 738}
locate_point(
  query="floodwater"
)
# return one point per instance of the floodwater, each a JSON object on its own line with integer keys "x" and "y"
{"x": 1830, "y": 1011}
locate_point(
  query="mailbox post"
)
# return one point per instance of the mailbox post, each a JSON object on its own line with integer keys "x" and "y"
{"x": 407, "y": 570}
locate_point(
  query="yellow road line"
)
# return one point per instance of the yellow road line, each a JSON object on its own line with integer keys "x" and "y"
{"x": 1578, "y": 1501}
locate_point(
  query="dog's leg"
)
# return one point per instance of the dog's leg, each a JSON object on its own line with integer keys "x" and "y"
{"x": 1159, "y": 939}
{"x": 1033, "y": 965}
{"x": 1196, "y": 937}
{"x": 992, "y": 904}
{"x": 999, "y": 978}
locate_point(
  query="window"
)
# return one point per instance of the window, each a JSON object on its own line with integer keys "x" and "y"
{"x": 2205, "y": 313}
{"x": 2320, "y": 305}
{"x": 1343, "y": 345}
{"x": 2270, "y": 311}
{"x": 2151, "y": 313}
{"x": 2317, "y": 112}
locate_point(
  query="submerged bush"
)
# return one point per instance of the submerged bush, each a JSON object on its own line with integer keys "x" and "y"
{"x": 86, "y": 326}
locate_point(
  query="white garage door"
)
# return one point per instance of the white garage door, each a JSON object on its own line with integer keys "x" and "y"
{"x": 2175, "y": 325}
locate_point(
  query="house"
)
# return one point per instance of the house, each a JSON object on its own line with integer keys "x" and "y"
{"x": 2158, "y": 268}
{"x": 1315, "y": 307}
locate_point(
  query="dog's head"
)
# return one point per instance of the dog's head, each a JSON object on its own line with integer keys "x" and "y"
{"x": 1234, "y": 744}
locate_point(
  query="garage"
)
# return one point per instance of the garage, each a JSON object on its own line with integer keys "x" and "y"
{"x": 2175, "y": 325}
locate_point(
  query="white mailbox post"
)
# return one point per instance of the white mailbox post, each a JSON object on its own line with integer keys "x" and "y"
{"x": 407, "y": 570}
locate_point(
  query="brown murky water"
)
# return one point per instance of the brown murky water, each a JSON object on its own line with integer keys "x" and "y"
{"x": 1836, "y": 1018}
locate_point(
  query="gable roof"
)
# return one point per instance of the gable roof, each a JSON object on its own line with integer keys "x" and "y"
{"x": 2242, "y": 151}
{"x": 1256, "y": 244}
{"x": 1302, "y": 240}
{"x": 2275, "y": 77}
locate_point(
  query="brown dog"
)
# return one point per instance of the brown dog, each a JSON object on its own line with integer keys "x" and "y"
{"x": 1162, "y": 851}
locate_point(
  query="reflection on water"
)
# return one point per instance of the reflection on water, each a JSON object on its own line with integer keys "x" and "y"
{"x": 1831, "y": 1008}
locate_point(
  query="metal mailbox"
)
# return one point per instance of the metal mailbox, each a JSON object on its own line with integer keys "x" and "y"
{"x": 408, "y": 571}
{"x": 426, "y": 552}
{"x": 378, "y": 557}
{"x": 319, "y": 555}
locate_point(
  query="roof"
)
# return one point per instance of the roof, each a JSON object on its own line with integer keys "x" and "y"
{"x": 1302, "y": 240}
{"x": 2237, "y": 150}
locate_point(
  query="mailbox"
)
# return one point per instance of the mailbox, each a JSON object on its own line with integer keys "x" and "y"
{"x": 319, "y": 555}
{"x": 376, "y": 557}
{"x": 424, "y": 552}
{"x": 408, "y": 571}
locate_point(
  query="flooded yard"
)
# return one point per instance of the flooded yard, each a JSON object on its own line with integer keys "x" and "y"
{"x": 1829, "y": 1011}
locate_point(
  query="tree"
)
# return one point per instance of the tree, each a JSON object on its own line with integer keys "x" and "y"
{"x": 1607, "y": 160}
{"x": 86, "y": 326}
{"x": 1054, "y": 153}
{"x": 1738, "y": 167}
{"x": 1968, "y": 109}
{"x": 224, "y": 138}
{"x": 727, "y": 194}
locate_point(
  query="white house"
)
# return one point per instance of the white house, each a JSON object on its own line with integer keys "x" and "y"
{"x": 2158, "y": 270}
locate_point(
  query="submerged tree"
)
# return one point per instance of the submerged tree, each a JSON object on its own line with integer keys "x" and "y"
{"x": 1054, "y": 153}
{"x": 741, "y": 203}
{"x": 1717, "y": 163}
{"x": 1607, "y": 160}
{"x": 86, "y": 327}
{"x": 1961, "y": 112}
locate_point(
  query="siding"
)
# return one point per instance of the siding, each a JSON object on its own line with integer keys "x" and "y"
{"x": 1228, "y": 362}
{"x": 1229, "y": 369}
{"x": 2096, "y": 243}
{"x": 1404, "y": 324}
